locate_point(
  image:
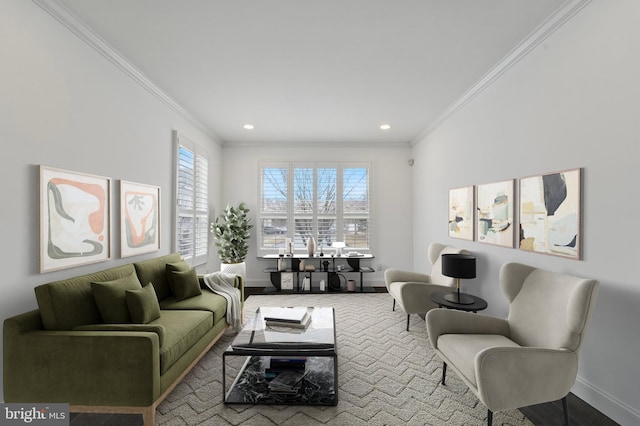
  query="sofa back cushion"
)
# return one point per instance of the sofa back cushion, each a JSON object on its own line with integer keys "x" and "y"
{"x": 69, "y": 303}
{"x": 154, "y": 271}
{"x": 110, "y": 296}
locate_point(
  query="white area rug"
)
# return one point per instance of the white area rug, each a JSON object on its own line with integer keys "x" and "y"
{"x": 386, "y": 376}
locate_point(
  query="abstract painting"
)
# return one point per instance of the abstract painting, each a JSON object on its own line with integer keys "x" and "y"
{"x": 461, "y": 213}
{"x": 494, "y": 213}
{"x": 139, "y": 218}
{"x": 74, "y": 219}
{"x": 550, "y": 213}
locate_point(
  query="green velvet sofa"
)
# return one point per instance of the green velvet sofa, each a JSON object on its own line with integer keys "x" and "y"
{"x": 66, "y": 352}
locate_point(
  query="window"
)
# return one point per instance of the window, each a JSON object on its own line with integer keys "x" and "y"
{"x": 329, "y": 201}
{"x": 192, "y": 201}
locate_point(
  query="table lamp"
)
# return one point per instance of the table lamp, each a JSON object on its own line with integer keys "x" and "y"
{"x": 458, "y": 266}
{"x": 338, "y": 245}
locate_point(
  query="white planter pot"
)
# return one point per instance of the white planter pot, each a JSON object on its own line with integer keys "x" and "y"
{"x": 234, "y": 268}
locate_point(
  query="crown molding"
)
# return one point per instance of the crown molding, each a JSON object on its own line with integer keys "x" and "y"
{"x": 561, "y": 15}
{"x": 316, "y": 144}
{"x": 67, "y": 18}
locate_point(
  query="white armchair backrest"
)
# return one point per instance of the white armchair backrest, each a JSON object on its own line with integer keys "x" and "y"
{"x": 547, "y": 309}
{"x": 436, "y": 250}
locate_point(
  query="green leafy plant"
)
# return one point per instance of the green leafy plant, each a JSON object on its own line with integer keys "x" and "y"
{"x": 231, "y": 231}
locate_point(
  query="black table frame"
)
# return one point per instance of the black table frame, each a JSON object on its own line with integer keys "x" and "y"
{"x": 281, "y": 351}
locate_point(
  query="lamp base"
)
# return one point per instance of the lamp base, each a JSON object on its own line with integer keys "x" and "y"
{"x": 461, "y": 299}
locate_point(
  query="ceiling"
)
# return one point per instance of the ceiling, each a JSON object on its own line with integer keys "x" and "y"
{"x": 314, "y": 72}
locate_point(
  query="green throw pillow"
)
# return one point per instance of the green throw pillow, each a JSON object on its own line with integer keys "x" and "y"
{"x": 180, "y": 266}
{"x": 110, "y": 298}
{"x": 184, "y": 284}
{"x": 143, "y": 304}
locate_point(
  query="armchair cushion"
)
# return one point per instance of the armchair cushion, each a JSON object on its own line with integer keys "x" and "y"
{"x": 462, "y": 350}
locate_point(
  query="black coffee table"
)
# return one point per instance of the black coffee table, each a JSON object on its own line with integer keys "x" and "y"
{"x": 260, "y": 344}
{"x": 478, "y": 303}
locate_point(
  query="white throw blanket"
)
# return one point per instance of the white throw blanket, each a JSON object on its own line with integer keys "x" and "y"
{"x": 222, "y": 283}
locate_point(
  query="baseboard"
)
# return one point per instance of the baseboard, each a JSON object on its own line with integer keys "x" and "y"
{"x": 606, "y": 403}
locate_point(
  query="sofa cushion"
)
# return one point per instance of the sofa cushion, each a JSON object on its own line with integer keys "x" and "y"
{"x": 207, "y": 301}
{"x": 183, "y": 329}
{"x": 68, "y": 303}
{"x": 143, "y": 304}
{"x": 184, "y": 284}
{"x": 111, "y": 300}
{"x": 153, "y": 328}
{"x": 154, "y": 271}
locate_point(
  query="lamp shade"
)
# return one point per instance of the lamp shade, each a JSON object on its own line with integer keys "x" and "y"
{"x": 459, "y": 265}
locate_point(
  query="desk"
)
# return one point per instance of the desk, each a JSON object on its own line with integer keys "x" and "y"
{"x": 478, "y": 303}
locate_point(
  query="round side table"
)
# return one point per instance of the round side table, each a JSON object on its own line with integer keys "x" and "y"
{"x": 478, "y": 303}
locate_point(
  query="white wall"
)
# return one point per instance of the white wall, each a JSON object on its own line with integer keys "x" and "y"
{"x": 391, "y": 198}
{"x": 572, "y": 102}
{"x": 63, "y": 105}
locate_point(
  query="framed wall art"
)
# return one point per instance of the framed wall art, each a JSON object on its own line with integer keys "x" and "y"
{"x": 550, "y": 213}
{"x": 74, "y": 219}
{"x": 139, "y": 218}
{"x": 494, "y": 213}
{"x": 461, "y": 213}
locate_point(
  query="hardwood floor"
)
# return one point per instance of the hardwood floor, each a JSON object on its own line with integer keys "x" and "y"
{"x": 549, "y": 414}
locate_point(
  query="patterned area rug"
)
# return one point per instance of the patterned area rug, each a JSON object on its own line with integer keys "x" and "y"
{"x": 386, "y": 376}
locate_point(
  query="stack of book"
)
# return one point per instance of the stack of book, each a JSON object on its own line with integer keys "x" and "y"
{"x": 288, "y": 317}
{"x": 287, "y": 382}
{"x": 285, "y": 374}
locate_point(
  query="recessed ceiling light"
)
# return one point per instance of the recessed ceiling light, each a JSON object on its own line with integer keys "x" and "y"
{"x": 385, "y": 127}
{"x": 248, "y": 126}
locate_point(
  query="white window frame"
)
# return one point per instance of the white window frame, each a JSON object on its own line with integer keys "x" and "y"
{"x": 290, "y": 215}
{"x": 198, "y": 208}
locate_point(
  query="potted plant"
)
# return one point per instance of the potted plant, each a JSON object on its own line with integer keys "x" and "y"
{"x": 231, "y": 231}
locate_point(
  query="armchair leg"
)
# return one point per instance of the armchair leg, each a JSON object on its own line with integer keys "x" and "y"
{"x": 489, "y": 417}
{"x": 394, "y": 305}
{"x": 408, "y": 322}
{"x": 444, "y": 372}
{"x": 565, "y": 409}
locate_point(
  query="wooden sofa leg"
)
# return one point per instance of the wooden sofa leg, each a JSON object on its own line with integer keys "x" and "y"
{"x": 149, "y": 416}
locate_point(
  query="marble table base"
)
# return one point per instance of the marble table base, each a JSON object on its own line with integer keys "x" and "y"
{"x": 318, "y": 387}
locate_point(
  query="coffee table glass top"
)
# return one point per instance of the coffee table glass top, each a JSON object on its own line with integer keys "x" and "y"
{"x": 318, "y": 335}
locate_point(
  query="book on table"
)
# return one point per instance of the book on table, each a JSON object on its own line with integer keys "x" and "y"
{"x": 292, "y": 315}
{"x": 290, "y": 324}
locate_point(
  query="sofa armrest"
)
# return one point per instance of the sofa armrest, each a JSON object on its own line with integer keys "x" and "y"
{"x": 396, "y": 275}
{"x": 239, "y": 284}
{"x": 448, "y": 321}
{"x": 116, "y": 368}
{"x": 415, "y": 297}
{"x": 511, "y": 377}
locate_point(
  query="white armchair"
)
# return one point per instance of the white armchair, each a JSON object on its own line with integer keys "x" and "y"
{"x": 530, "y": 357}
{"x": 412, "y": 290}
